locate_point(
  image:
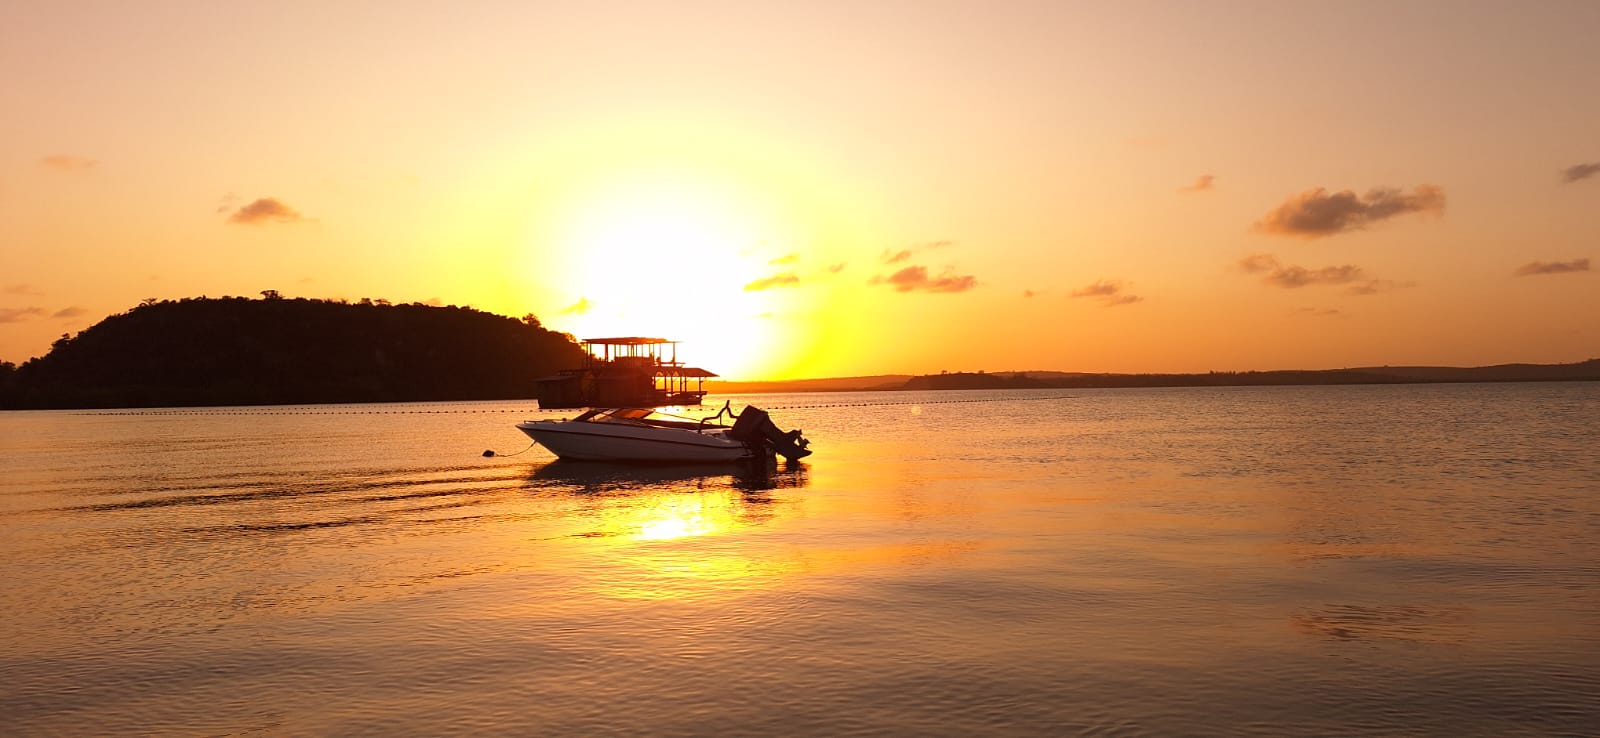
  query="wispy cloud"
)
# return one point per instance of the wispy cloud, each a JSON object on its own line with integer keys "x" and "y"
{"x": 67, "y": 163}
{"x": 1318, "y": 312}
{"x": 265, "y": 210}
{"x": 1203, "y": 183}
{"x": 1293, "y": 276}
{"x": 893, "y": 257}
{"x": 1580, "y": 171}
{"x": 1552, "y": 267}
{"x": 835, "y": 268}
{"x": 785, "y": 259}
{"x": 1108, "y": 292}
{"x": 916, "y": 279}
{"x": 1317, "y": 213}
{"x": 578, "y": 308}
{"x": 22, "y": 288}
{"x": 1377, "y": 287}
{"x": 69, "y": 312}
{"x": 17, "y": 315}
{"x": 786, "y": 279}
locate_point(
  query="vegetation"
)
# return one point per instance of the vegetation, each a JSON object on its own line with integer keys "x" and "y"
{"x": 240, "y": 351}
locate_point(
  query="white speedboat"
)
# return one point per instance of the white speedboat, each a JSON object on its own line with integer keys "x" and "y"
{"x": 643, "y": 434}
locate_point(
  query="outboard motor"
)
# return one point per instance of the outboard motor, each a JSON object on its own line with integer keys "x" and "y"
{"x": 756, "y": 429}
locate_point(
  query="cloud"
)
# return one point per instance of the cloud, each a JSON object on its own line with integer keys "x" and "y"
{"x": 67, "y": 163}
{"x": 836, "y": 268}
{"x": 22, "y": 289}
{"x": 1552, "y": 267}
{"x": 69, "y": 312}
{"x": 1109, "y": 293}
{"x": 265, "y": 210}
{"x": 1318, "y": 312}
{"x": 1317, "y": 213}
{"x": 1292, "y": 276}
{"x": 786, "y": 279}
{"x": 1031, "y": 293}
{"x": 578, "y": 308}
{"x": 1203, "y": 183}
{"x": 915, "y": 279}
{"x": 1377, "y": 286}
{"x": 785, "y": 259}
{"x": 1100, "y": 288}
{"x": 895, "y": 257}
{"x": 1580, "y": 171}
{"x": 17, "y": 315}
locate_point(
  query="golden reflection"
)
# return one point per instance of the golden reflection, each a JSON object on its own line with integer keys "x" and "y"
{"x": 682, "y": 517}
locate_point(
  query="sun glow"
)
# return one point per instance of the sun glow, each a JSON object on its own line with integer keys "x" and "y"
{"x": 670, "y": 256}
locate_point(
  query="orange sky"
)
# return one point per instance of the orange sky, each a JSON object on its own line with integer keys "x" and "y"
{"x": 829, "y": 189}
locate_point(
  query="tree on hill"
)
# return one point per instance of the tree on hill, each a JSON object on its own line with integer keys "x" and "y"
{"x": 238, "y": 351}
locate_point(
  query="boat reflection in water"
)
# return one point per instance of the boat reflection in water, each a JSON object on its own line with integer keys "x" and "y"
{"x": 666, "y": 502}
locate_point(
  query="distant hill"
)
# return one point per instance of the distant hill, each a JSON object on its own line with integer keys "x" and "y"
{"x": 239, "y": 351}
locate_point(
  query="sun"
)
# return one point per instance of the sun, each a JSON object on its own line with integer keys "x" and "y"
{"x": 669, "y": 255}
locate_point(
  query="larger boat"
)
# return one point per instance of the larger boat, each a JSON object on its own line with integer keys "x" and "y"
{"x": 645, "y": 434}
{"x": 631, "y": 371}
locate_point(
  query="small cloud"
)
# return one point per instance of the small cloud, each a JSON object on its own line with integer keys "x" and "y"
{"x": 1109, "y": 293}
{"x": 265, "y": 210}
{"x": 836, "y": 268}
{"x": 785, "y": 259}
{"x": 1030, "y": 293}
{"x": 915, "y": 279}
{"x": 1580, "y": 171}
{"x": 786, "y": 279}
{"x": 438, "y": 303}
{"x": 1100, "y": 288}
{"x": 895, "y": 257}
{"x": 69, "y": 312}
{"x": 17, "y": 315}
{"x": 23, "y": 289}
{"x": 1318, "y": 312}
{"x": 578, "y": 308}
{"x": 1377, "y": 286}
{"x": 1291, "y": 276}
{"x": 1203, "y": 183}
{"x": 1552, "y": 267}
{"x": 67, "y": 163}
{"x": 1317, "y": 213}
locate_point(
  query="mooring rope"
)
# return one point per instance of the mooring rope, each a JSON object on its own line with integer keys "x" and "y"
{"x": 515, "y": 411}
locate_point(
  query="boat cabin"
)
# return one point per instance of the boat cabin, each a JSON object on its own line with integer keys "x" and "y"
{"x": 625, "y": 372}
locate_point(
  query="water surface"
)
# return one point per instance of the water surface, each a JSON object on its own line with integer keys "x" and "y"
{"x": 1412, "y": 560}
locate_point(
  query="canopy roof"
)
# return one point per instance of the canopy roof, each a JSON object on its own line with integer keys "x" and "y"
{"x": 627, "y": 341}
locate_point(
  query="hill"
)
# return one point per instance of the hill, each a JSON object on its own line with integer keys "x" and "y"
{"x": 240, "y": 351}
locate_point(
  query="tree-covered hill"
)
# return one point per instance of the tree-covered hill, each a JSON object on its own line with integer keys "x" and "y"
{"x": 239, "y": 351}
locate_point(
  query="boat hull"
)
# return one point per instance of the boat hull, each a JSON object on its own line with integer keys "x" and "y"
{"x": 608, "y": 442}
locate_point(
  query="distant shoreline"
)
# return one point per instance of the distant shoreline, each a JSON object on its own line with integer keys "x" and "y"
{"x": 1584, "y": 371}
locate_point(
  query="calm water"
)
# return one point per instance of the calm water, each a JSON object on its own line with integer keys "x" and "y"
{"x": 1419, "y": 560}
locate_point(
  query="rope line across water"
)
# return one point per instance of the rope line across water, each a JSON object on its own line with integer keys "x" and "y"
{"x": 505, "y": 411}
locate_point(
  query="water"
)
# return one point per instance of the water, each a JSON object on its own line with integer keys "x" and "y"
{"x": 1415, "y": 560}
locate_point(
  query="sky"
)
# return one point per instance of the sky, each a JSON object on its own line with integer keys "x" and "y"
{"x": 818, "y": 189}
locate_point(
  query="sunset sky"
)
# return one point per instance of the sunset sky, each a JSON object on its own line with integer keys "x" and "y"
{"x": 829, "y": 188}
